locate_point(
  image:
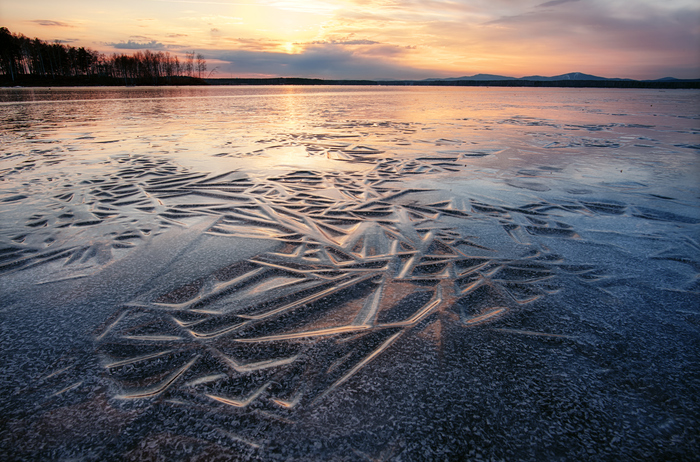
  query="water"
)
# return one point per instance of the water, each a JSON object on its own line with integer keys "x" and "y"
{"x": 349, "y": 273}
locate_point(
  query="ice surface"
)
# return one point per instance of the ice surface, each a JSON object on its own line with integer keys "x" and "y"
{"x": 349, "y": 273}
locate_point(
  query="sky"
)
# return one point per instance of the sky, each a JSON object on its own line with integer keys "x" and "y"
{"x": 384, "y": 39}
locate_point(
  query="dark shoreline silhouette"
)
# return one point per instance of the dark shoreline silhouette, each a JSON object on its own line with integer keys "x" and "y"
{"x": 96, "y": 80}
{"x": 465, "y": 83}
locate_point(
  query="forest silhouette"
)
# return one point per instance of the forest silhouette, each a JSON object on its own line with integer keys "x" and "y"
{"x": 26, "y": 61}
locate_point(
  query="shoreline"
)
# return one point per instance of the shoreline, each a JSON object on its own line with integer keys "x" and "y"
{"x": 95, "y": 81}
{"x": 463, "y": 83}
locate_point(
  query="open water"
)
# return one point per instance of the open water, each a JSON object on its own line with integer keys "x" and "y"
{"x": 349, "y": 273}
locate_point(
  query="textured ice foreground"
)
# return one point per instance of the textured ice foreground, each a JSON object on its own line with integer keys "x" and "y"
{"x": 349, "y": 273}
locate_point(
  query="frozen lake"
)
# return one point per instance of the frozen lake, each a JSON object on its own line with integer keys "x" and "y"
{"x": 349, "y": 273}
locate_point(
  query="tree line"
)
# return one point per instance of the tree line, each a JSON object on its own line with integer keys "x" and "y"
{"x": 22, "y": 57}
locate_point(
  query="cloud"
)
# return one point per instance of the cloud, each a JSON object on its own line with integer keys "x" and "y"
{"x": 318, "y": 61}
{"x": 340, "y": 42}
{"x": 607, "y": 38}
{"x": 254, "y": 45}
{"x": 307, "y": 6}
{"x": 554, "y": 3}
{"x": 406, "y": 38}
{"x": 131, "y": 45}
{"x": 647, "y": 29}
{"x": 219, "y": 19}
{"x": 50, "y": 23}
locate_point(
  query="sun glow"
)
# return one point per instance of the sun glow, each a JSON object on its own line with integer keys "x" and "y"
{"x": 386, "y": 39}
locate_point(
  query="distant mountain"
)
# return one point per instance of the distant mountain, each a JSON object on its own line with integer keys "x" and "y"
{"x": 671, "y": 79}
{"x": 477, "y": 77}
{"x": 569, "y": 76}
{"x": 556, "y": 78}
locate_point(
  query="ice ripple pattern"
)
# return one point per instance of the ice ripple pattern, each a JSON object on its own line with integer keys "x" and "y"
{"x": 350, "y": 275}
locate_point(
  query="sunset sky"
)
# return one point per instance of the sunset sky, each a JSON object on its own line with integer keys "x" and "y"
{"x": 402, "y": 39}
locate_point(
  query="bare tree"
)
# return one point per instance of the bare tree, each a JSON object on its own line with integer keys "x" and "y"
{"x": 189, "y": 63}
{"x": 201, "y": 65}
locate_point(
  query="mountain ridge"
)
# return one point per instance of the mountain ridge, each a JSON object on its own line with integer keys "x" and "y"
{"x": 556, "y": 78}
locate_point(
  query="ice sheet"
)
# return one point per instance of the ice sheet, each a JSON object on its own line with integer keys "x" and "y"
{"x": 348, "y": 273}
